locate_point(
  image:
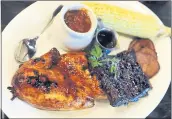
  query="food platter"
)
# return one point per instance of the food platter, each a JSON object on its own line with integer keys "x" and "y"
{"x": 28, "y": 24}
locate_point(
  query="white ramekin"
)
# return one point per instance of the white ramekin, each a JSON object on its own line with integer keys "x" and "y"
{"x": 72, "y": 40}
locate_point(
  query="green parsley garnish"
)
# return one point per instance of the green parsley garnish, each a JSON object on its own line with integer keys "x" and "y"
{"x": 94, "y": 62}
{"x": 96, "y": 51}
{"x": 112, "y": 69}
{"x": 94, "y": 59}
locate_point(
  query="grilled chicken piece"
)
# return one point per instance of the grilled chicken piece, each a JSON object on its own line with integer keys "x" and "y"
{"x": 55, "y": 82}
{"x": 146, "y": 56}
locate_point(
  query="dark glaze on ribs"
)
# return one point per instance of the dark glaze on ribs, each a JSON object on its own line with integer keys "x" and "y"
{"x": 55, "y": 82}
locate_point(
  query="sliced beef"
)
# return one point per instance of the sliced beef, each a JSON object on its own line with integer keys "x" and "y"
{"x": 139, "y": 44}
{"x": 146, "y": 56}
{"x": 148, "y": 51}
{"x": 149, "y": 64}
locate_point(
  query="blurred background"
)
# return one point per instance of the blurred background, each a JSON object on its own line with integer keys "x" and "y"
{"x": 9, "y": 9}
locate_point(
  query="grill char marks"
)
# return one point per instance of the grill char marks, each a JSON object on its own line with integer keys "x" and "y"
{"x": 54, "y": 53}
{"x": 12, "y": 90}
{"x": 57, "y": 87}
{"x": 128, "y": 82}
{"x": 20, "y": 65}
{"x": 53, "y": 59}
{"x": 146, "y": 56}
{"x": 41, "y": 81}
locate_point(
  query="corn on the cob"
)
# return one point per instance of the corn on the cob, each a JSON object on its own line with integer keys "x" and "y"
{"x": 128, "y": 21}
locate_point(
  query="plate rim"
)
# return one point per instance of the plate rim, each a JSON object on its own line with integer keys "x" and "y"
{"x": 37, "y": 2}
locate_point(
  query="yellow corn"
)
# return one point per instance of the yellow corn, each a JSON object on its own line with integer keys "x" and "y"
{"x": 129, "y": 22}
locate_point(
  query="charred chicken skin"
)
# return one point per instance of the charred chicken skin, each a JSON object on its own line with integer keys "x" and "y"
{"x": 56, "y": 82}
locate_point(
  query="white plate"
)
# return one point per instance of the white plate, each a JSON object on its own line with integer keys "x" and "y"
{"x": 30, "y": 21}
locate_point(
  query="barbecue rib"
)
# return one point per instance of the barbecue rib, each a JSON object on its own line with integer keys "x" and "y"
{"x": 127, "y": 83}
{"x": 55, "y": 82}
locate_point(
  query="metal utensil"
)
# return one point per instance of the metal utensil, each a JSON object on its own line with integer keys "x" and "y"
{"x": 27, "y": 47}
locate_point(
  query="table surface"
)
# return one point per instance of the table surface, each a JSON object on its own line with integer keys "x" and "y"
{"x": 161, "y": 8}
